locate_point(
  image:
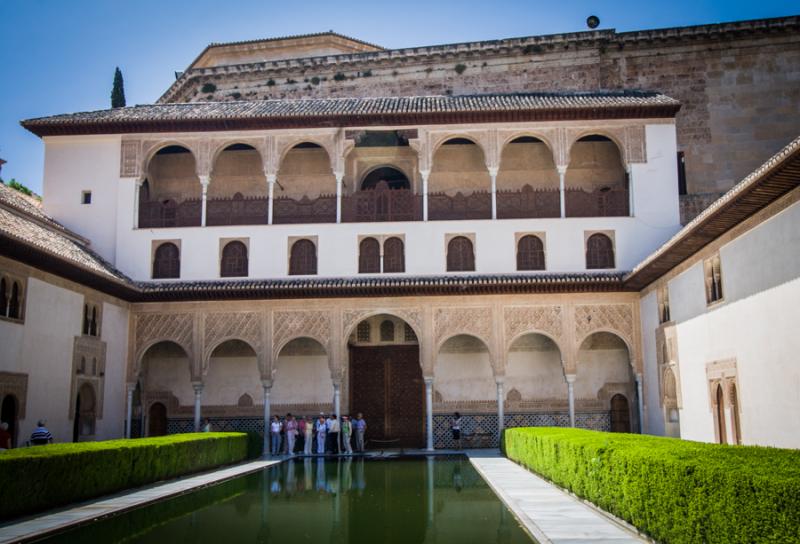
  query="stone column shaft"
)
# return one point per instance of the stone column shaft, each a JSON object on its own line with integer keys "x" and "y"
{"x": 271, "y": 178}
{"x": 129, "y": 411}
{"x": 204, "y": 204}
{"x": 640, "y": 402}
{"x": 425, "y": 174}
{"x": 493, "y": 175}
{"x": 571, "y": 397}
{"x": 198, "y": 393}
{"x": 267, "y": 388}
{"x": 562, "y": 174}
{"x": 339, "y": 177}
{"x": 500, "y": 409}
{"x": 429, "y": 413}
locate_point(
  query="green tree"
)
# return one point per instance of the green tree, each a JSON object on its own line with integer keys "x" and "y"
{"x": 118, "y": 92}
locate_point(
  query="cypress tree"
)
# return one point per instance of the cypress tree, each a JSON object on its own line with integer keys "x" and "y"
{"x": 118, "y": 92}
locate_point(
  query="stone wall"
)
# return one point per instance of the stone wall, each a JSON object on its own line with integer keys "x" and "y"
{"x": 738, "y": 82}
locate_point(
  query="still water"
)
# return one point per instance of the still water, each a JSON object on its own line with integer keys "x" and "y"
{"x": 442, "y": 500}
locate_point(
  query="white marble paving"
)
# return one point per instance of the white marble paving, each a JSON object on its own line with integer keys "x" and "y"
{"x": 549, "y": 514}
{"x": 37, "y": 527}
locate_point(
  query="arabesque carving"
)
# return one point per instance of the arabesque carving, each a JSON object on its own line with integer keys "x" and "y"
{"x": 352, "y": 317}
{"x": 152, "y": 328}
{"x": 290, "y": 324}
{"x": 521, "y": 319}
{"x": 245, "y": 326}
{"x": 477, "y": 322}
{"x": 617, "y": 318}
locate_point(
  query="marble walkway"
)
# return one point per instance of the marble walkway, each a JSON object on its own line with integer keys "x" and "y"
{"x": 36, "y": 527}
{"x": 548, "y": 513}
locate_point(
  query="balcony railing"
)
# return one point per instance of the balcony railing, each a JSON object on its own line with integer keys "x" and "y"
{"x": 475, "y": 205}
{"x": 382, "y": 204}
{"x": 604, "y": 202}
{"x": 170, "y": 214}
{"x": 287, "y": 210}
{"x": 237, "y": 211}
{"x": 528, "y": 203}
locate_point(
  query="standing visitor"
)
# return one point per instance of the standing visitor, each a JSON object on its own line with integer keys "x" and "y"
{"x": 291, "y": 432}
{"x": 361, "y": 428}
{"x": 41, "y": 435}
{"x": 301, "y": 433}
{"x": 347, "y": 431}
{"x": 207, "y": 426}
{"x": 455, "y": 426}
{"x": 5, "y": 437}
{"x": 308, "y": 436}
{"x": 275, "y": 433}
{"x": 333, "y": 433}
{"x": 321, "y": 431}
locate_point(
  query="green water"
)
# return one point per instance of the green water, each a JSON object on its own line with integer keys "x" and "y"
{"x": 324, "y": 501}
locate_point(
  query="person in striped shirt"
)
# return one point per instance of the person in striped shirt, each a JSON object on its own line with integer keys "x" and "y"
{"x": 41, "y": 435}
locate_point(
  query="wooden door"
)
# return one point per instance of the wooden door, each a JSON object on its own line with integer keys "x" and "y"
{"x": 157, "y": 420}
{"x": 620, "y": 414}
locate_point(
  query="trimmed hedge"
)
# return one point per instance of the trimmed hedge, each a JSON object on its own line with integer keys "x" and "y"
{"x": 673, "y": 490}
{"x": 42, "y": 477}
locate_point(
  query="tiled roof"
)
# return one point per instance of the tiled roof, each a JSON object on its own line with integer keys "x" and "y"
{"x": 29, "y": 205}
{"x": 779, "y": 175}
{"x": 292, "y": 37}
{"x": 351, "y": 111}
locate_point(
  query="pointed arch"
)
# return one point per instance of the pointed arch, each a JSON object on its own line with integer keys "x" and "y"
{"x": 394, "y": 259}
{"x": 530, "y": 253}
{"x": 460, "y": 255}
{"x": 167, "y": 261}
{"x": 234, "y": 262}
{"x": 303, "y": 258}
{"x": 369, "y": 256}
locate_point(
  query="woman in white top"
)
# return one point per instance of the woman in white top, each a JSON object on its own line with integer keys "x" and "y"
{"x": 309, "y": 436}
{"x": 322, "y": 428}
{"x": 275, "y": 434}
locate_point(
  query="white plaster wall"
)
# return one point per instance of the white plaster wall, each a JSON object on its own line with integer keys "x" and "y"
{"x": 464, "y": 376}
{"x": 84, "y": 163}
{"x": 71, "y": 161}
{"x": 653, "y": 413}
{"x": 301, "y": 379}
{"x": 756, "y": 325}
{"x": 169, "y": 373}
{"x": 597, "y": 367}
{"x": 536, "y": 374}
{"x": 115, "y": 334}
{"x": 229, "y": 378}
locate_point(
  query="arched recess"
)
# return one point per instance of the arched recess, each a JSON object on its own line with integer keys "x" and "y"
{"x": 596, "y": 179}
{"x": 604, "y": 369}
{"x": 237, "y": 193}
{"x": 166, "y": 368}
{"x": 459, "y": 184}
{"x": 460, "y": 254}
{"x": 530, "y": 253}
{"x": 232, "y": 371}
{"x": 303, "y": 258}
{"x": 463, "y": 370}
{"x": 369, "y": 256}
{"x": 528, "y": 185}
{"x": 170, "y": 193}
{"x": 167, "y": 261}
{"x": 234, "y": 261}
{"x": 305, "y": 171}
{"x": 534, "y": 368}
{"x": 385, "y": 378}
{"x": 302, "y": 377}
{"x": 394, "y": 178}
{"x": 9, "y": 413}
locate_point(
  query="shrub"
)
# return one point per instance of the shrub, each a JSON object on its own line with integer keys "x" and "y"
{"x": 315, "y": 80}
{"x": 339, "y": 76}
{"x": 270, "y": 82}
{"x": 41, "y": 477}
{"x": 674, "y": 490}
{"x": 208, "y": 88}
{"x": 459, "y": 68}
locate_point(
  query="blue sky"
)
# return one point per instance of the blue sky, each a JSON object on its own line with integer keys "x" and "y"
{"x": 58, "y": 56}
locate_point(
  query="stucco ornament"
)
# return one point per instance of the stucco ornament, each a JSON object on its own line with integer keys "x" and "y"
{"x": 153, "y": 328}
{"x": 522, "y": 319}
{"x": 450, "y": 322}
{"x": 616, "y": 318}
{"x": 219, "y": 327}
{"x": 291, "y": 324}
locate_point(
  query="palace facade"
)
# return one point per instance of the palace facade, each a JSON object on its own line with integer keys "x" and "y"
{"x": 518, "y": 257}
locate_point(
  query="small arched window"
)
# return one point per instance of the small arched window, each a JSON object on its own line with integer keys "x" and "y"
{"x": 599, "y": 252}
{"x": 93, "y": 322}
{"x": 460, "y": 255}
{"x": 85, "y": 329}
{"x": 3, "y": 298}
{"x": 369, "y": 256}
{"x": 720, "y": 412}
{"x": 363, "y": 332}
{"x": 15, "y": 303}
{"x": 394, "y": 256}
{"x": 530, "y": 253}
{"x": 303, "y": 258}
{"x": 737, "y": 430}
{"x": 234, "y": 260}
{"x": 167, "y": 261}
{"x": 387, "y": 331}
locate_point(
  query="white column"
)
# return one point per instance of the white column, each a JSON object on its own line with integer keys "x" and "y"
{"x": 640, "y": 402}
{"x": 267, "y": 386}
{"x": 339, "y": 177}
{"x": 493, "y": 175}
{"x": 271, "y": 179}
{"x": 630, "y": 189}
{"x": 204, "y": 180}
{"x": 562, "y": 174}
{"x": 131, "y": 387}
{"x": 424, "y": 174}
{"x": 198, "y": 393}
{"x": 571, "y": 397}
{"x": 337, "y": 397}
{"x": 429, "y": 413}
{"x": 500, "y": 408}
{"x": 138, "y": 188}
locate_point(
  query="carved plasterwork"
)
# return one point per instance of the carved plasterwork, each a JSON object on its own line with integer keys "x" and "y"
{"x": 616, "y": 318}
{"x": 630, "y": 139}
{"x": 129, "y": 162}
{"x": 351, "y": 318}
{"x": 449, "y": 322}
{"x": 521, "y": 319}
{"x": 635, "y": 144}
{"x": 219, "y": 327}
{"x": 152, "y": 328}
{"x": 285, "y": 142}
{"x": 13, "y": 383}
{"x": 547, "y": 135}
{"x": 290, "y": 324}
{"x": 88, "y": 366}
{"x": 218, "y": 145}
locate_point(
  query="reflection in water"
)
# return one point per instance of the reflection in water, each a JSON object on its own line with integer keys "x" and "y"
{"x": 325, "y": 501}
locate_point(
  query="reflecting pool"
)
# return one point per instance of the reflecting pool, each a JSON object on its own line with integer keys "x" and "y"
{"x": 431, "y": 500}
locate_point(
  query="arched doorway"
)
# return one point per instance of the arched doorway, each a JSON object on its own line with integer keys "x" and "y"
{"x": 8, "y": 414}
{"x": 157, "y": 420}
{"x": 392, "y": 177}
{"x": 386, "y": 381}
{"x": 620, "y": 414}
{"x": 84, "y": 417}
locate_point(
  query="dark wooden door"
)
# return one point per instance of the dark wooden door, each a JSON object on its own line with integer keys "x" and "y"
{"x": 157, "y": 420}
{"x": 620, "y": 414}
{"x": 386, "y": 386}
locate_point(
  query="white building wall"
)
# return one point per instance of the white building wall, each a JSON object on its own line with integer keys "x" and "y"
{"x": 755, "y": 325}
{"x": 115, "y": 334}
{"x": 654, "y": 414}
{"x": 74, "y": 164}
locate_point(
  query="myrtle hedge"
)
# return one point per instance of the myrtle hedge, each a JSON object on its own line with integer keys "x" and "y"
{"x": 41, "y": 477}
{"x": 673, "y": 490}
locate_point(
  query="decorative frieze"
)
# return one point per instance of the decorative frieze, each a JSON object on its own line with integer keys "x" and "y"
{"x": 523, "y": 319}
{"x": 616, "y": 318}
{"x": 449, "y": 322}
{"x": 152, "y": 328}
{"x": 290, "y": 324}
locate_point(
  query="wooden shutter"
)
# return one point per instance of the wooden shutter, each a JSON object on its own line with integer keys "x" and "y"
{"x": 599, "y": 252}
{"x": 303, "y": 259}
{"x": 530, "y": 253}
{"x": 369, "y": 256}
{"x": 234, "y": 260}
{"x": 394, "y": 257}
{"x": 460, "y": 255}
{"x": 167, "y": 261}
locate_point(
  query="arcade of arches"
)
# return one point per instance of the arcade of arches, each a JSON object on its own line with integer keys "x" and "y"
{"x": 566, "y": 360}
